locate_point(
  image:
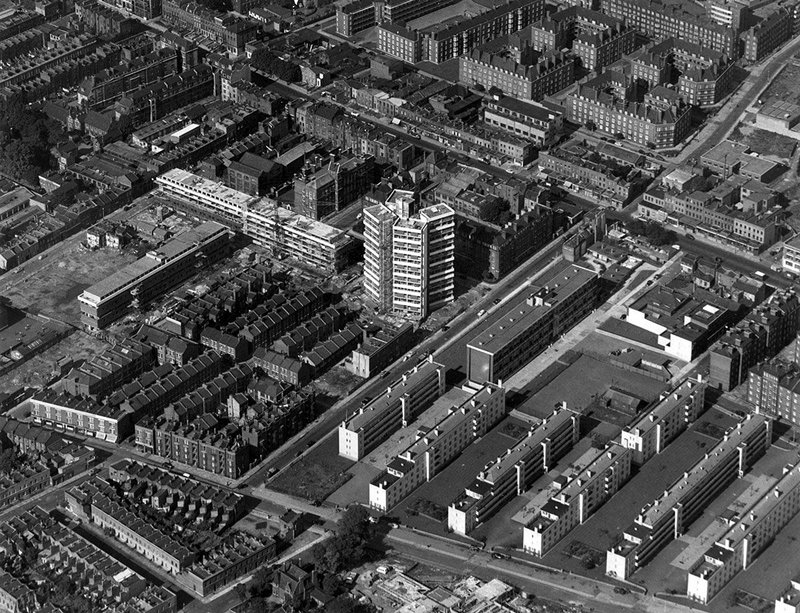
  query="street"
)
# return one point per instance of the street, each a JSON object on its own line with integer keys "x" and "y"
{"x": 552, "y": 585}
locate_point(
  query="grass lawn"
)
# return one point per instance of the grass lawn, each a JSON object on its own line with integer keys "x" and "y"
{"x": 317, "y": 474}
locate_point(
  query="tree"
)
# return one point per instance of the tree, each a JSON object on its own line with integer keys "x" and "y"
{"x": 348, "y": 545}
{"x": 332, "y": 584}
{"x": 590, "y": 125}
{"x": 8, "y": 460}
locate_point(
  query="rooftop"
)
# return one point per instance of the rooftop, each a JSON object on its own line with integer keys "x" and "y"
{"x": 394, "y": 392}
{"x": 551, "y": 290}
{"x": 652, "y": 513}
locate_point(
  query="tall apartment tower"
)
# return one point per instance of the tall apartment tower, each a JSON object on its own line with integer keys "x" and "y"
{"x": 409, "y": 256}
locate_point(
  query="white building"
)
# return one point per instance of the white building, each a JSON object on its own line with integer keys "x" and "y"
{"x": 670, "y": 515}
{"x": 789, "y": 601}
{"x": 436, "y": 447}
{"x": 670, "y": 416}
{"x": 582, "y": 493}
{"x": 515, "y": 471}
{"x": 409, "y": 256}
{"x": 397, "y": 407}
{"x": 746, "y": 538}
{"x": 280, "y": 230}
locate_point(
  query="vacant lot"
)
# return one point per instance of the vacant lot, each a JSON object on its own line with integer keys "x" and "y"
{"x": 316, "y": 475}
{"x": 53, "y": 288}
{"x": 37, "y": 371}
{"x": 765, "y": 143}
{"x": 784, "y": 86}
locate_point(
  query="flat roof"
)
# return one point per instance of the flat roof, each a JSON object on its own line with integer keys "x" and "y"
{"x": 295, "y": 221}
{"x": 652, "y": 513}
{"x": 560, "y": 284}
{"x": 456, "y": 416}
{"x": 579, "y": 481}
{"x": 394, "y": 392}
{"x": 664, "y": 407}
{"x": 206, "y": 187}
{"x": 536, "y": 436}
{"x": 168, "y": 252}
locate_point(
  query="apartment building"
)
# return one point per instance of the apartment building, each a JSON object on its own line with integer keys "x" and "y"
{"x": 580, "y": 496}
{"x": 588, "y": 171}
{"x": 675, "y": 19}
{"x": 239, "y": 555}
{"x": 355, "y": 16}
{"x": 538, "y": 124}
{"x": 558, "y": 301}
{"x": 203, "y": 443}
{"x": 597, "y": 39}
{"x": 396, "y": 40}
{"x": 73, "y": 414}
{"x": 774, "y": 389}
{"x": 285, "y": 233}
{"x": 671, "y": 514}
{"x": 394, "y": 11}
{"x": 669, "y": 416}
{"x": 401, "y": 403}
{"x": 790, "y": 260}
{"x": 704, "y": 76}
{"x": 661, "y": 121}
{"x": 771, "y": 326}
{"x": 409, "y": 256}
{"x": 789, "y": 601}
{"x": 450, "y": 40}
{"x": 224, "y": 28}
{"x": 435, "y": 447}
{"x": 746, "y": 538}
{"x": 515, "y": 471}
{"x": 153, "y": 275}
{"x": 533, "y": 80}
{"x": 381, "y": 349}
{"x": 105, "y": 372}
{"x": 767, "y": 35}
{"x": 326, "y": 186}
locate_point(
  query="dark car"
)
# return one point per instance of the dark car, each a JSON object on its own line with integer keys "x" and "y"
{"x": 496, "y": 301}
{"x": 499, "y": 556}
{"x": 620, "y": 590}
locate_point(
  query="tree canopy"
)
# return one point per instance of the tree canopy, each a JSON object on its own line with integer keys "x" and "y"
{"x": 652, "y": 231}
{"x": 26, "y": 136}
{"x": 347, "y": 547}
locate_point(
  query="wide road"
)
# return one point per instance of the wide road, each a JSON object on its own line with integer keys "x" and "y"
{"x": 593, "y": 595}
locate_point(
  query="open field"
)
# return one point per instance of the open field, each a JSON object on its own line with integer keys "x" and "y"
{"x": 54, "y": 288}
